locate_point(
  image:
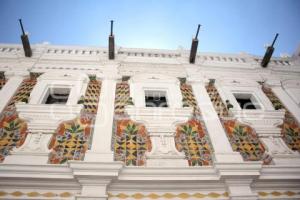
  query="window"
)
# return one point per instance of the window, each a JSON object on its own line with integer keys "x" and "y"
{"x": 155, "y": 99}
{"x": 57, "y": 96}
{"x": 247, "y": 101}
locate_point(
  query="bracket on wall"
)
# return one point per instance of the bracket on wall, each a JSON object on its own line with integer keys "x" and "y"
{"x": 194, "y": 47}
{"x": 111, "y": 42}
{"x": 25, "y": 41}
{"x": 267, "y": 57}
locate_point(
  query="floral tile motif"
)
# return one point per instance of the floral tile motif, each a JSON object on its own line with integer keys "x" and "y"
{"x": 241, "y": 137}
{"x": 122, "y": 97}
{"x": 71, "y": 140}
{"x": 244, "y": 140}
{"x": 191, "y": 137}
{"x": 131, "y": 142}
{"x": 13, "y": 130}
{"x": 290, "y": 130}
{"x": 216, "y": 100}
{"x": 92, "y": 95}
{"x": 188, "y": 98}
{"x": 2, "y": 80}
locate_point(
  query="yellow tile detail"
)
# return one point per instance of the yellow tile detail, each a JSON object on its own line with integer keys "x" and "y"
{"x": 199, "y": 195}
{"x": 153, "y": 196}
{"x": 290, "y": 193}
{"x": 263, "y": 194}
{"x": 17, "y": 193}
{"x": 33, "y": 194}
{"x": 49, "y": 194}
{"x": 169, "y": 196}
{"x": 275, "y": 193}
{"x": 138, "y": 196}
{"x": 184, "y": 195}
{"x": 122, "y": 196}
{"x": 213, "y": 195}
{"x": 2, "y": 193}
{"x": 65, "y": 194}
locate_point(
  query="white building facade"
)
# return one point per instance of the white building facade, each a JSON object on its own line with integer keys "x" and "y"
{"x": 147, "y": 125}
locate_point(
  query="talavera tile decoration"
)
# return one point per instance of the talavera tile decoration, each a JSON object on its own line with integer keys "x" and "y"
{"x": 130, "y": 139}
{"x": 13, "y": 130}
{"x": 72, "y": 138}
{"x": 241, "y": 137}
{"x": 290, "y": 130}
{"x": 193, "y": 140}
{"x": 191, "y": 137}
{"x": 131, "y": 142}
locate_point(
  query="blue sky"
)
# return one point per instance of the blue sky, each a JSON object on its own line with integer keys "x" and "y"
{"x": 229, "y": 26}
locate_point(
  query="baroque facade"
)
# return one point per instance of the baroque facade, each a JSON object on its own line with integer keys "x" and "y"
{"x": 147, "y": 125}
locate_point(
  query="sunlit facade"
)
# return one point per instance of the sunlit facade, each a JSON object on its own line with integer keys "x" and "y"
{"x": 147, "y": 125}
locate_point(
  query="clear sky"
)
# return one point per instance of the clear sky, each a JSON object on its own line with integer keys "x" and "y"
{"x": 229, "y": 26}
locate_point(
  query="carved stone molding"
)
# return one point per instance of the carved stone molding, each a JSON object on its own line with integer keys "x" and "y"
{"x": 265, "y": 122}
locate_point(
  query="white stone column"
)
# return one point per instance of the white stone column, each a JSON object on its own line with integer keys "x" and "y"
{"x": 101, "y": 140}
{"x": 222, "y": 148}
{"x": 8, "y": 90}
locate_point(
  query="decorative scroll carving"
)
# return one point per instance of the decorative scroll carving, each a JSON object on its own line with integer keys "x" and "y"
{"x": 193, "y": 140}
{"x": 13, "y": 130}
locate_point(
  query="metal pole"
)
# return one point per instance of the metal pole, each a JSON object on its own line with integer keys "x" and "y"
{"x": 198, "y": 31}
{"x": 20, "y": 20}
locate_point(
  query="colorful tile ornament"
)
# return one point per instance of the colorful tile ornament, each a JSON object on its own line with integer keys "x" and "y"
{"x": 290, "y": 130}
{"x": 241, "y": 137}
{"x": 2, "y": 80}
{"x": 92, "y": 95}
{"x": 23, "y": 93}
{"x": 191, "y": 137}
{"x": 122, "y": 97}
{"x": 131, "y": 142}
{"x": 211, "y": 195}
{"x": 37, "y": 194}
{"x": 13, "y": 130}
{"x": 188, "y": 98}
{"x": 215, "y": 98}
{"x": 71, "y": 140}
{"x": 244, "y": 140}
